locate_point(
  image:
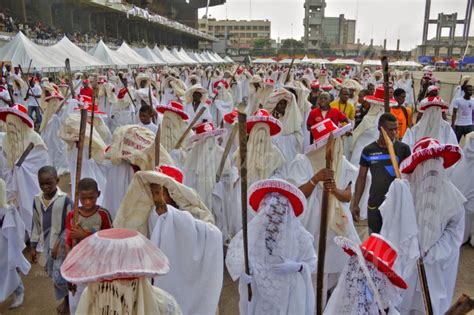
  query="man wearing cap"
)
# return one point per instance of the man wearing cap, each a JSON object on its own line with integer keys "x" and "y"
{"x": 376, "y": 157}
{"x": 280, "y": 253}
{"x": 176, "y": 220}
{"x": 308, "y": 172}
{"x": 434, "y": 226}
{"x": 120, "y": 286}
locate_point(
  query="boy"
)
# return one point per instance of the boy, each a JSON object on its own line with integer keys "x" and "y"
{"x": 50, "y": 207}
{"x": 91, "y": 218}
{"x": 145, "y": 115}
{"x": 401, "y": 112}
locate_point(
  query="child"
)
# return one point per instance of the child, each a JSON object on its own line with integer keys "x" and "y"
{"x": 145, "y": 114}
{"x": 91, "y": 218}
{"x": 48, "y": 234}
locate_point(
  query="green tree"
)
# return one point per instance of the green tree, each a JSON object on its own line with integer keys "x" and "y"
{"x": 291, "y": 44}
{"x": 261, "y": 43}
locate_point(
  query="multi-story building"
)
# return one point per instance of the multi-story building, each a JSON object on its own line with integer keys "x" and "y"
{"x": 323, "y": 32}
{"x": 235, "y": 32}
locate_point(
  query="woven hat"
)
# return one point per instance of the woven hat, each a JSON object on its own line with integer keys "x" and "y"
{"x": 174, "y": 107}
{"x": 19, "y": 111}
{"x": 114, "y": 254}
{"x": 222, "y": 83}
{"x": 429, "y": 148}
{"x": 379, "y": 252}
{"x": 378, "y": 97}
{"x": 205, "y": 130}
{"x": 260, "y": 189}
{"x": 188, "y": 95}
{"x": 321, "y": 132}
{"x": 263, "y": 116}
{"x": 431, "y": 101}
{"x": 141, "y": 77}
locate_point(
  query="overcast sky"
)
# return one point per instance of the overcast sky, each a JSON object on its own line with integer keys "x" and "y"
{"x": 377, "y": 19}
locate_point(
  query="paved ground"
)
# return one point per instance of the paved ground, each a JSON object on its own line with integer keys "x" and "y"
{"x": 39, "y": 297}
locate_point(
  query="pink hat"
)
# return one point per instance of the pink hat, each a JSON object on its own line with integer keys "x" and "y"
{"x": 231, "y": 117}
{"x": 174, "y": 107}
{"x": 432, "y": 101}
{"x": 222, "y": 82}
{"x": 172, "y": 172}
{"x": 270, "y": 82}
{"x": 430, "y": 148}
{"x": 54, "y": 95}
{"x": 379, "y": 252}
{"x": 263, "y": 116}
{"x": 114, "y": 254}
{"x": 378, "y": 97}
{"x": 205, "y": 130}
{"x": 315, "y": 84}
{"x": 321, "y": 132}
{"x": 260, "y": 189}
{"x": 19, "y": 111}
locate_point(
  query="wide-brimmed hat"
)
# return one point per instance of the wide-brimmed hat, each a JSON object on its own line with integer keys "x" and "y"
{"x": 231, "y": 117}
{"x": 327, "y": 87}
{"x": 269, "y": 82}
{"x": 174, "y": 107}
{"x": 260, "y": 189}
{"x": 172, "y": 172}
{"x": 321, "y": 132}
{"x": 18, "y": 110}
{"x": 222, "y": 83}
{"x": 142, "y": 77}
{"x": 54, "y": 95}
{"x": 188, "y": 95}
{"x": 379, "y": 252}
{"x": 432, "y": 101}
{"x": 429, "y": 148}
{"x": 84, "y": 100}
{"x": 263, "y": 116}
{"x": 378, "y": 97}
{"x": 205, "y": 130}
{"x": 114, "y": 254}
{"x": 315, "y": 84}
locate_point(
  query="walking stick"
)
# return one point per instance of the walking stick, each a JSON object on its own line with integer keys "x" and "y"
{"x": 228, "y": 146}
{"x": 125, "y": 85}
{"x": 420, "y": 264}
{"x": 287, "y": 79}
{"x": 191, "y": 125}
{"x": 386, "y": 86}
{"x": 242, "y": 119}
{"x": 323, "y": 228}
{"x": 157, "y": 146}
{"x": 94, "y": 95}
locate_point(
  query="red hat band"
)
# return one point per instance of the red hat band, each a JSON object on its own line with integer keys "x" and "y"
{"x": 20, "y": 108}
{"x": 262, "y": 112}
{"x": 84, "y": 100}
{"x": 270, "y": 82}
{"x": 425, "y": 143}
{"x": 323, "y": 129}
{"x": 172, "y": 172}
{"x": 223, "y": 83}
{"x": 176, "y": 105}
{"x": 204, "y": 127}
{"x": 381, "y": 249}
{"x": 231, "y": 117}
{"x": 315, "y": 84}
{"x": 122, "y": 93}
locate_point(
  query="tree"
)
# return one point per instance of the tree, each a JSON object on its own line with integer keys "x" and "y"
{"x": 262, "y": 43}
{"x": 291, "y": 44}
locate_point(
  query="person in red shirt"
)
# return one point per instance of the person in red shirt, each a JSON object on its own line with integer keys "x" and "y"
{"x": 324, "y": 111}
{"x": 86, "y": 89}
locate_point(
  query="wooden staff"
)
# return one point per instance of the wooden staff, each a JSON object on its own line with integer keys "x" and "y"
{"x": 94, "y": 96}
{"x": 386, "y": 85}
{"x": 25, "y": 154}
{"x": 68, "y": 71}
{"x": 157, "y": 146}
{"x": 80, "y": 150}
{"x": 242, "y": 119}
{"x": 323, "y": 229}
{"x": 125, "y": 85}
{"x": 287, "y": 79}
{"x": 420, "y": 264}
{"x": 228, "y": 146}
{"x": 191, "y": 125}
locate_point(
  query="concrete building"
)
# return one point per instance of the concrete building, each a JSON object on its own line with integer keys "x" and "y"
{"x": 313, "y": 23}
{"x": 236, "y": 32}
{"x": 338, "y": 31}
{"x": 109, "y": 18}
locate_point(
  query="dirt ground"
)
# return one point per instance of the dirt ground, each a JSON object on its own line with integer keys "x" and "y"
{"x": 39, "y": 295}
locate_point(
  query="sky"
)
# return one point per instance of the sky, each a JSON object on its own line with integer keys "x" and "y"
{"x": 377, "y": 19}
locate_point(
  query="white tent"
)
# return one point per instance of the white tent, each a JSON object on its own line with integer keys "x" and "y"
{"x": 149, "y": 54}
{"x": 195, "y": 57}
{"x": 349, "y": 62}
{"x": 228, "y": 59}
{"x": 263, "y": 60}
{"x": 184, "y": 57}
{"x": 160, "y": 55}
{"x": 132, "y": 56}
{"x": 210, "y": 57}
{"x": 206, "y": 58}
{"x": 217, "y": 57}
{"x": 79, "y": 58}
{"x": 407, "y": 63}
{"x": 372, "y": 63}
{"x": 107, "y": 55}
{"x": 169, "y": 56}
{"x": 288, "y": 61}
{"x": 20, "y": 50}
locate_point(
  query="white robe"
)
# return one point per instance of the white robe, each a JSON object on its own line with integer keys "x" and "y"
{"x": 12, "y": 243}
{"x": 196, "y": 275}
{"x": 191, "y": 113}
{"x": 117, "y": 180}
{"x": 299, "y": 173}
{"x": 57, "y": 148}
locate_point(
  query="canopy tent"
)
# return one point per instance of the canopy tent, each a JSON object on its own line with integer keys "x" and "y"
{"x": 149, "y": 54}
{"x": 406, "y": 63}
{"x": 372, "y": 63}
{"x": 206, "y": 58}
{"x": 78, "y": 58}
{"x": 196, "y": 57}
{"x": 263, "y": 60}
{"x": 217, "y": 57}
{"x": 108, "y": 56}
{"x": 184, "y": 57}
{"x": 169, "y": 56}
{"x": 132, "y": 56}
{"x": 166, "y": 59}
{"x": 288, "y": 61}
{"x": 183, "y": 53}
{"x": 228, "y": 59}
{"x": 212, "y": 57}
{"x": 349, "y": 62}
{"x": 20, "y": 50}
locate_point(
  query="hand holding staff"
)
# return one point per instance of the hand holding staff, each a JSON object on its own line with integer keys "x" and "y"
{"x": 191, "y": 125}
{"x": 228, "y": 146}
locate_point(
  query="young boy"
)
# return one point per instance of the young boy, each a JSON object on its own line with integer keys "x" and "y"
{"x": 48, "y": 237}
{"x": 91, "y": 218}
{"x": 145, "y": 114}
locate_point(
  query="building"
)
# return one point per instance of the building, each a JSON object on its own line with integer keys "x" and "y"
{"x": 446, "y": 47}
{"x": 235, "y": 33}
{"x": 162, "y": 22}
{"x": 324, "y": 32}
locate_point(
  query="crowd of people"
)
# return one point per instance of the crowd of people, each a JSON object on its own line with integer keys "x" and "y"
{"x": 154, "y": 216}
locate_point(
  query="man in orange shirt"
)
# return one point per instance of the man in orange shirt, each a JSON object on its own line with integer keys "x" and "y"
{"x": 401, "y": 112}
